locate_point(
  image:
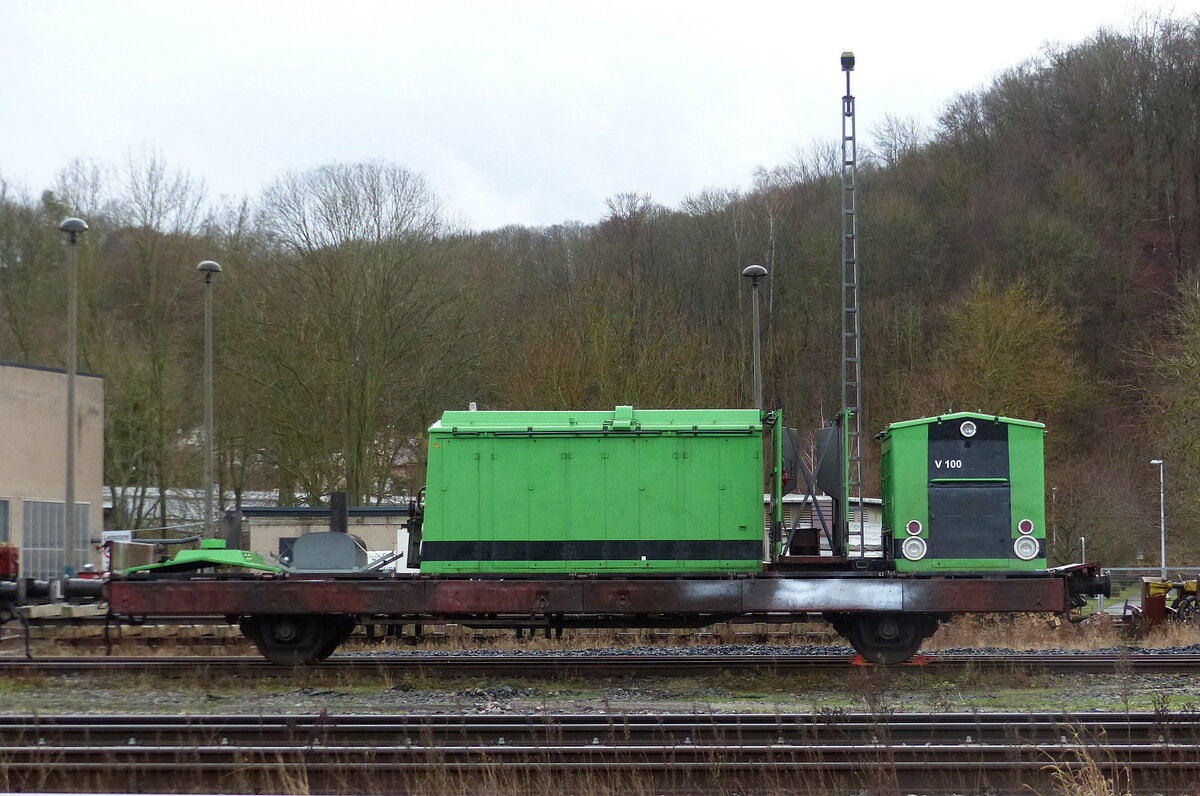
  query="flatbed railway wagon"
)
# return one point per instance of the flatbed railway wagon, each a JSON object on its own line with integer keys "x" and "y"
{"x": 653, "y": 518}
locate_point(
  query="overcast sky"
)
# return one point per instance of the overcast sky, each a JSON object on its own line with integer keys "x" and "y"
{"x": 516, "y": 112}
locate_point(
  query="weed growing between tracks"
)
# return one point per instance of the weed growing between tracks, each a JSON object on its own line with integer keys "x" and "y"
{"x": 437, "y": 773}
{"x": 380, "y": 690}
{"x": 433, "y": 773}
{"x": 1082, "y": 771}
{"x": 874, "y": 689}
{"x": 424, "y": 764}
{"x": 965, "y": 632}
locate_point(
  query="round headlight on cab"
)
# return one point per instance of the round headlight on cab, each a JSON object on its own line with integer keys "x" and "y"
{"x": 1026, "y": 548}
{"x": 914, "y": 527}
{"x": 914, "y": 548}
{"x": 968, "y": 428}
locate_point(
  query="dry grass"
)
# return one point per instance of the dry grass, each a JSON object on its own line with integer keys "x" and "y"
{"x": 451, "y": 638}
{"x": 1082, "y": 772}
{"x": 1084, "y": 769}
{"x": 358, "y": 774}
{"x": 875, "y": 689}
{"x": 164, "y": 647}
{"x": 1026, "y": 631}
{"x": 1022, "y": 632}
{"x": 431, "y": 773}
{"x": 971, "y": 631}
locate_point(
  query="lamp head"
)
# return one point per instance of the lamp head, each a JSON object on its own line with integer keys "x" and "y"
{"x": 74, "y": 227}
{"x": 208, "y": 268}
{"x": 754, "y": 273}
{"x": 847, "y": 61}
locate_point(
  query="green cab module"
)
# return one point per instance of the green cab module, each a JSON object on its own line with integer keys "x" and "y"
{"x": 626, "y": 490}
{"x": 965, "y": 492}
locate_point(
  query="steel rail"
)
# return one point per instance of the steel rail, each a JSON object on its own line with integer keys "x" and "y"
{"x": 742, "y": 756}
{"x": 540, "y": 729}
{"x": 551, "y": 665}
{"x": 943, "y": 750}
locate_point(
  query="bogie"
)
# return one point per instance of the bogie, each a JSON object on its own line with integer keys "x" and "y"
{"x": 296, "y": 639}
{"x": 887, "y": 638}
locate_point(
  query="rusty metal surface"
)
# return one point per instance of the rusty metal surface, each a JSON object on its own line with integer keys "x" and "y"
{"x": 1154, "y": 604}
{"x": 454, "y": 597}
{"x": 449, "y": 598}
{"x": 968, "y": 595}
{"x": 569, "y": 664}
{"x": 265, "y": 596}
{"x": 817, "y": 595}
{"x": 684, "y": 596}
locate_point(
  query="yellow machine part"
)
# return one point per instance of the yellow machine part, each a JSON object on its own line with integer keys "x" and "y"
{"x": 1157, "y": 588}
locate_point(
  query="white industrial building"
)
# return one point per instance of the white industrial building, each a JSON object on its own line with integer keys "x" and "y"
{"x": 798, "y": 512}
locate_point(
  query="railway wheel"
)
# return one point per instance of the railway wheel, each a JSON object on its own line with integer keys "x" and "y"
{"x": 886, "y": 638}
{"x": 1187, "y": 609}
{"x": 296, "y": 639}
{"x": 343, "y": 626}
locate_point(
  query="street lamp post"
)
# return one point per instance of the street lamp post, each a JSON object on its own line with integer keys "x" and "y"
{"x": 755, "y": 274}
{"x": 209, "y": 269}
{"x": 1053, "y": 518}
{"x": 73, "y": 228}
{"x": 1162, "y": 515}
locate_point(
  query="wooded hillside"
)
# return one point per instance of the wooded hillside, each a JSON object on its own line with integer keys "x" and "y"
{"x": 1033, "y": 254}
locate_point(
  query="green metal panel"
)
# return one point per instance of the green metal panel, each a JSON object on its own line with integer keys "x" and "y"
{"x": 212, "y": 553}
{"x": 905, "y": 453}
{"x": 1026, "y": 448}
{"x": 628, "y": 490}
{"x": 987, "y": 507}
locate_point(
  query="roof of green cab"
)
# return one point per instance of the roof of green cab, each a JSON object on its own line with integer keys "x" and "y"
{"x": 928, "y": 421}
{"x": 620, "y": 419}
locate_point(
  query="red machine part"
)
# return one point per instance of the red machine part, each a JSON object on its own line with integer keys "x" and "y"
{"x": 10, "y": 562}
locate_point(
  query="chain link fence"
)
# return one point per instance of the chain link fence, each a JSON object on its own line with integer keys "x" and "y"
{"x": 1127, "y": 585}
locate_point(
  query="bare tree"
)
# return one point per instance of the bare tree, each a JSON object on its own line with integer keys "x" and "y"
{"x": 343, "y": 203}
{"x": 342, "y": 316}
{"x": 895, "y": 137}
{"x": 145, "y": 341}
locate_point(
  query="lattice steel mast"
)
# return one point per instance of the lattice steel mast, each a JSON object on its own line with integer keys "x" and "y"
{"x": 851, "y": 327}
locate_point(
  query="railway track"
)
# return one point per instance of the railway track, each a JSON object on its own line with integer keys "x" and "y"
{"x": 613, "y": 665}
{"x": 674, "y": 752}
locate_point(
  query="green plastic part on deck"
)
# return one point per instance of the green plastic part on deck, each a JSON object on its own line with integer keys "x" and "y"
{"x": 212, "y": 553}
{"x": 965, "y": 492}
{"x": 627, "y": 490}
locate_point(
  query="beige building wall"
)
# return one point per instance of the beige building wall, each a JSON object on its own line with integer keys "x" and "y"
{"x": 33, "y": 448}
